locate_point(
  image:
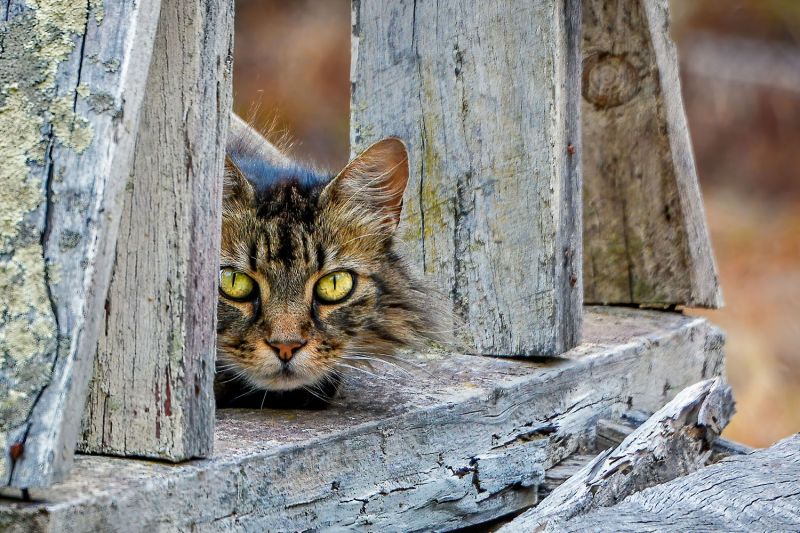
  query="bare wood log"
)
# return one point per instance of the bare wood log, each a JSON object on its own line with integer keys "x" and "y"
{"x": 451, "y": 441}
{"x": 485, "y": 94}
{"x": 676, "y": 440}
{"x": 645, "y": 235}
{"x": 152, "y": 392}
{"x": 71, "y": 86}
{"x": 759, "y": 491}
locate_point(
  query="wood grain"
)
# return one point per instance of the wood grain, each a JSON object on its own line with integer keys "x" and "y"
{"x": 152, "y": 391}
{"x": 71, "y": 87}
{"x": 673, "y": 442}
{"x": 449, "y": 441}
{"x": 485, "y": 94}
{"x": 759, "y": 491}
{"x": 645, "y": 236}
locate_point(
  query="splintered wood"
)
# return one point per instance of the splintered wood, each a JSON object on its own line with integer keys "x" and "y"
{"x": 645, "y": 236}
{"x": 486, "y": 95}
{"x": 759, "y": 491}
{"x": 152, "y": 392}
{"x": 673, "y": 442}
{"x": 71, "y": 88}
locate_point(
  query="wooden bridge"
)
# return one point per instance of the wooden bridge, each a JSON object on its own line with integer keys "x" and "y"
{"x": 553, "y": 198}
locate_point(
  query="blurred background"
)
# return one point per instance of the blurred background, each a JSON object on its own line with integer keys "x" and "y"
{"x": 740, "y": 65}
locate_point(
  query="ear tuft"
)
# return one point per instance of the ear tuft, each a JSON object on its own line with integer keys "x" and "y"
{"x": 376, "y": 179}
{"x": 236, "y": 189}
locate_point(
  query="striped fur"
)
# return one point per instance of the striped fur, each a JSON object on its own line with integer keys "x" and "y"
{"x": 286, "y": 226}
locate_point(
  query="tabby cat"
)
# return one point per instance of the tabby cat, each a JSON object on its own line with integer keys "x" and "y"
{"x": 311, "y": 280}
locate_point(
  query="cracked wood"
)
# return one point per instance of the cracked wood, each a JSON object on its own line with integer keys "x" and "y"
{"x": 486, "y": 96}
{"x": 759, "y": 491}
{"x": 450, "y": 441}
{"x": 71, "y": 88}
{"x": 152, "y": 391}
{"x": 673, "y": 442}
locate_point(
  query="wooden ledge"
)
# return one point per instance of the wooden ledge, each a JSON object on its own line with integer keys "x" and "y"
{"x": 451, "y": 441}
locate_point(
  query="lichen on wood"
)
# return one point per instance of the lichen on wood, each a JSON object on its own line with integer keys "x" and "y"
{"x": 58, "y": 176}
{"x": 34, "y": 44}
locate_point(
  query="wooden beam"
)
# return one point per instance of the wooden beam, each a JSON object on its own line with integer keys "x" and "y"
{"x": 152, "y": 392}
{"x": 645, "y": 236}
{"x": 673, "y": 442}
{"x": 449, "y": 441}
{"x": 71, "y": 88}
{"x": 759, "y": 491}
{"x": 486, "y": 96}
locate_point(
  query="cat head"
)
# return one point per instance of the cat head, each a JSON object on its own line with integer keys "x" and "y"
{"x": 311, "y": 280}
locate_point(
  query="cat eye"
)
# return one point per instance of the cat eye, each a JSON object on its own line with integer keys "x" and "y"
{"x": 235, "y": 285}
{"x": 334, "y": 287}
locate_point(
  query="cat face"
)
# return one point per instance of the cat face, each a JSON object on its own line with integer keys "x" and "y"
{"x": 310, "y": 278}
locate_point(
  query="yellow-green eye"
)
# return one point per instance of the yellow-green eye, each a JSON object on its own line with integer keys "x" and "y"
{"x": 334, "y": 287}
{"x": 235, "y": 285}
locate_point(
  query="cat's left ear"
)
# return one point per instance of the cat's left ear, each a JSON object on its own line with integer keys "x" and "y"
{"x": 375, "y": 180}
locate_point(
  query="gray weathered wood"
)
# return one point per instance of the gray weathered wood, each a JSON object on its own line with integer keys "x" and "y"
{"x": 757, "y": 492}
{"x": 676, "y": 440}
{"x": 645, "y": 236}
{"x": 71, "y": 85}
{"x": 452, "y": 440}
{"x": 152, "y": 391}
{"x": 486, "y": 96}
{"x": 611, "y": 433}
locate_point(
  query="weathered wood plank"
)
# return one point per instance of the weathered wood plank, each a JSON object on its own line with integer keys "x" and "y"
{"x": 492, "y": 210}
{"x": 645, "y": 236}
{"x": 71, "y": 87}
{"x": 453, "y": 440}
{"x": 676, "y": 440}
{"x": 152, "y": 391}
{"x": 759, "y": 491}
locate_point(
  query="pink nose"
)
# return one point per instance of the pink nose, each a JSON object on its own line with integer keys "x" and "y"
{"x": 286, "y": 349}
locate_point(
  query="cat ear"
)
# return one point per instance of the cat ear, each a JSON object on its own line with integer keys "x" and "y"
{"x": 236, "y": 189}
{"x": 376, "y": 179}
{"x": 244, "y": 142}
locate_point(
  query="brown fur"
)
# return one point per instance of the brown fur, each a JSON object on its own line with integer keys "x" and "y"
{"x": 286, "y": 227}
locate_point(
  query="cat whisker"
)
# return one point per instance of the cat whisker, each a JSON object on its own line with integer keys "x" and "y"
{"x": 250, "y": 390}
{"x": 263, "y": 399}
{"x": 367, "y": 372}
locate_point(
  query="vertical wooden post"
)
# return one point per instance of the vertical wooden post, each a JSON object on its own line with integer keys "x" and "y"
{"x": 486, "y": 95}
{"x": 645, "y": 234}
{"x": 70, "y": 93}
{"x": 152, "y": 392}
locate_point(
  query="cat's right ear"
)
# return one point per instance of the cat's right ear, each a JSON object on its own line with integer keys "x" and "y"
{"x": 236, "y": 189}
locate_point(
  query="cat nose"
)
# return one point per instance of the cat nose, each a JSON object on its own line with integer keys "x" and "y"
{"x": 286, "y": 348}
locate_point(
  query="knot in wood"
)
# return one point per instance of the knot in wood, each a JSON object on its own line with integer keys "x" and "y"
{"x": 609, "y": 80}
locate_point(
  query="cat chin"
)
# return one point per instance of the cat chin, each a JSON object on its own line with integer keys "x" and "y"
{"x": 283, "y": 382}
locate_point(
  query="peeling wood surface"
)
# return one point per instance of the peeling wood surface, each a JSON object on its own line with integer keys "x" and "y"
{"x": 492, "y": 210}
{"x": 454, "y": 440}
{"x": 645, "y": 236}
{"x": 71, "y": 87}
{"x": 673, "y": 442}
{"x": 152, "y": 391}
{"x": 759, "y": 491}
